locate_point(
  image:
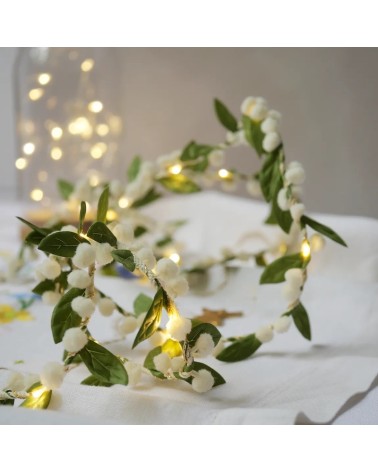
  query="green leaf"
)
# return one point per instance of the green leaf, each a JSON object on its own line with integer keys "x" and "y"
{"x": 42, "y": 231}
{"x": 266, "y": 175}
{"x": 61, "y": 243}
{"x": 65, "y": 188}
{"x": 189, "y": 152}
{"x": 83, "y": 211}
{"x": 225, "y": 116}
{"x": 139, "y": 231}
{"x": 64, "y": 317}
{"x": 104, "y": 365}
{"x": 283, "y": 218}
{"x": 103, "y": 204}
{"x": 150, "y": 197}
{"x": 253, "y": 134}
{"x": 218, "y": 379}
{"x": 134, "y": 168}
{"x": 34, "y": 237}
{"x": 150, "y": 365}
{"x": 94, "y": 381}
{"x": 301, "y": 320}
{"x": 163, "y": 242}
{"x": 260, "y": 259}
{"x": 274, "y": 273}
{"x": 152, "y": 320}
{"x": 240, "y": 349}
{"x": 200, "y": 164}
{"x": 271, "y": 219}
{"x": 179, "y": 184}
{"x": 102, "y": 234}
{"x": 142, "y": 304}
{"x": 69, "y": 359}
{"x": 196, "y": 332}
{"x": 37, "y": 402}
{"x": 124, "y": 257}
{"x": 43, "y": 287}
{"x": 323, "y": 229}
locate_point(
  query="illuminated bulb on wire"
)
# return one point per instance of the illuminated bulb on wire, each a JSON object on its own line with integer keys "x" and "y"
{"x": 21, "y": 163}
{"x": 305, "y": 249}
{"x": 102, "y": 129}
{"x": 175, "y": 169}
{"x": 95, "y": 107}
{"x": 175, "y": 257}
{"x": 87, "y": 65}
{"x": 80, "y": 126}
{"x": 36, "y": 194}
{"x": 98, "y": 150}
{"x": 36, "y": 393}
{"x": 28, "y": 148}
{"x": 123, "y": 202}
{"x": 224, "y": 174}
{"x": 56, "y": 133}
{"x": 44, "y": 78}
{"x": 36, "y": 94}
{"x": 111, "y": 215}
{"x": 56, "y": 153}
{"x": 94, "y": 180}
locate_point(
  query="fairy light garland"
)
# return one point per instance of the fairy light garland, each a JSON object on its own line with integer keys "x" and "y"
{"x": 69, "y": 272}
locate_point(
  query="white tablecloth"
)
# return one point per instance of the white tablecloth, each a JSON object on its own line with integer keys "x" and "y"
{"x": 288, "y": 380}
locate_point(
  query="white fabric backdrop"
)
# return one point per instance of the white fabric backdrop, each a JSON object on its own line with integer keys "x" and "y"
{"x": 288, "y": 380}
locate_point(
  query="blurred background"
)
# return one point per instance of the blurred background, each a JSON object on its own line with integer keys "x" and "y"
{"x": 328, "y": 98}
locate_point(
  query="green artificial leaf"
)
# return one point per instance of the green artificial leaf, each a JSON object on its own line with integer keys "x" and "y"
{"x": 83, "y": 211}
{"x": 139, "y": 231}
{"x": 197, "y": 366}
{"x": 266, "y": 175}
{"x": 65, "y": 188}
{"x": 150, "y": 365}
{"x": 94, "y": 381}
{"x": 37, "y": 401}
{"x": 134, "y": 168}
{"x": 150, "y": 197}
{"x": 323, "y": 229}
{"x": 240, "y": 349}
{"x": 253, "y": 134}
{"x": 61, "y": 243}
{"x": 152, "y": 320}
{"x": 163, "y": 242}
{"x": 301, "y": 320}
{"x": 42, "y": 231}
{"x": 124, "y": 257}
{"x": 189, "y": 152}
{"x": 274, "y": 273}
{"x": 63, "y": 316}
{"x": 225, "y": 116}
{"x": 104, "y": 365}
{"x": 142, "y": 304}
{"x": 34, "y": 237}
{"x": 71, "y": 359}
{"x": 103, "y": 204}
{"x": 179, "y": 184}
{"x": 43, "y": 287}
{"x": 260, "y": 259}
{"x": 203, "y": 328}
{"x": 200, "y": 164}
{"x": 102, "y": 234}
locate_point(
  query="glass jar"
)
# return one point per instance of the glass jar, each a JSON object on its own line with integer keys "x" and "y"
{"x": 69, "y": 123}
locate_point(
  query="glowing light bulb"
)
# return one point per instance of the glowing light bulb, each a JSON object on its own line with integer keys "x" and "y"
{"x": 56, "y": 153}
{"x": 37, "y": 392}
{"x": 44, "y": 78}
{"x": 102, "y": 129}
{"x": 94, "y": 180}
{"x": 42, "y": 176}
{"x": 111, "y": 215}
{"x": 123, "y": 202}
{"x": 175, "y": 257}
{"x": 56, "y": 133}
{"x": 36, "y": 194}
{"x": 36, "y": 94}
{"x": 95, "y": 107}
{"x": 21, "y": 163}
{"x": 224, "y": 174}
{"x": 80, "y": 126}
{"x": 98, "y": 150}
{"x": 28, "y": 148}
{"x": 175, "y": 169}
{"x": 305, "y": 249}
{"x": 87, "y": 65}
